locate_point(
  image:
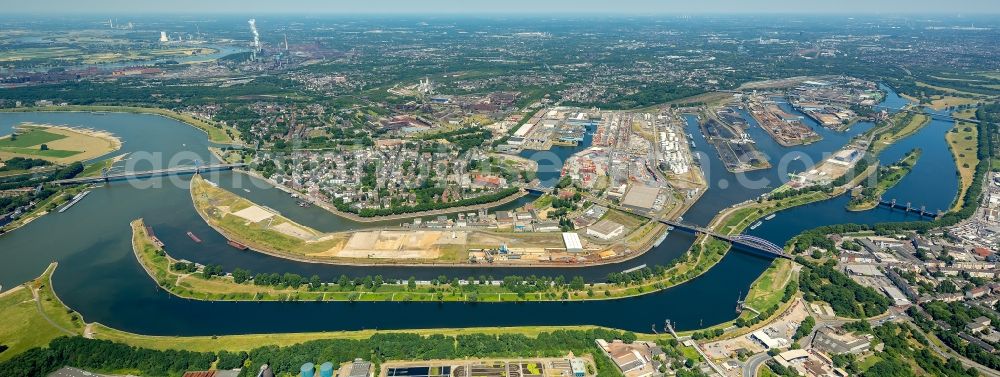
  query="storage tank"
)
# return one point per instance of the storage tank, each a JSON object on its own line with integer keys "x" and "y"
{"x": 308, "y": 370}
{"x": 326, "y": 370}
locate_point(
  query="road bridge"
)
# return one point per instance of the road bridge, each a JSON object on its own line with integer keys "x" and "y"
{"x": 538, "y": 190}
{"x": 105, "y": 177}
{"x": 745, "y": 240}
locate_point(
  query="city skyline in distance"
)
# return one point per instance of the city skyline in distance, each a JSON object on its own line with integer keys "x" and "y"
{"x": 519, "y": 7}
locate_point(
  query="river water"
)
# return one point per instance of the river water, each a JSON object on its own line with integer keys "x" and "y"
{"x": 99, "y": 276}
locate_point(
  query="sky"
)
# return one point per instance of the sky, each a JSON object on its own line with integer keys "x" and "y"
{"x": 528, "y": 7}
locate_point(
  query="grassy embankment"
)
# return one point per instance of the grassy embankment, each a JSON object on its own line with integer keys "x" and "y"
{"x": 904, "y": 124}
{"x": 765, "y": 296}
{"x": 30, "y": 322}
{"x": 734, "y": 221}
{"x": 962, "y": 141}
{"x": 160, "y": 267}
{"x": 217, "y": 133}
{"x": 888, "y": 177}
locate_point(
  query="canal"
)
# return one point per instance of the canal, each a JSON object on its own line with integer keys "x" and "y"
{"x": 99, "y": 276}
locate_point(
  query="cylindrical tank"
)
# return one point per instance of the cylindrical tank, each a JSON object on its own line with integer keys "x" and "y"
{"x": 308, "y": 370}
{"x": 326, "y": 370}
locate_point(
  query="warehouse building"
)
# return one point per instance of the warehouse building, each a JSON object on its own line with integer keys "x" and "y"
{"x": 606, "y": 229}
{"x": 640, "y": 197}
{"x": 572, "y": 242}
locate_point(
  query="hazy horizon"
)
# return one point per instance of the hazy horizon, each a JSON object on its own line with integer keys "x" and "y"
{"x": 511, "y": 7}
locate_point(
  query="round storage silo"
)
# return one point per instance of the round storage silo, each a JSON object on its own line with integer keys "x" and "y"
{"x": 326, "y": 370}
{"x": 308, "y": 370}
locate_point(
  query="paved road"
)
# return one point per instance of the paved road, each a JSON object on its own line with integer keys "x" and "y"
{"x": 754, "y": 363}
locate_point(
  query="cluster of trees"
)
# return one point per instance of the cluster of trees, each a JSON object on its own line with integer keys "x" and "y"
{"x": 887, "y": 176}
{"x": 864, "y": 111}
{"x": 20, "y": 163}
{"x": 339, "y": 137}
{"x": 10, "y": 203}
{"x": 280, "y": 280}
{"x": 513, "y": 283}
{"x": 796, "y": 192}
{"x": 646, "y": 95}
{"x": 956, "y": 315}
{"x": 373, "y": 212}
{"x": 206, "y": 272}
{"x": 846, "y": 297}
{"x": 107, "y": 356}
{"x": 900, "y": 352}
{"x": 707, "y": 334}
{"x": 463, "y": 138}
{"x": 67, "y": 172}
{"x": 805, "y": 328}
{"x": 103, "y": 355}
{"x": 636, "y": 277}
{"x": 188, "y": 267}
{"x": 859, "y": 168}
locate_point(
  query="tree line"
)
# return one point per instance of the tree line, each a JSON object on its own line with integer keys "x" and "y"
{"x": 110, "y": 357}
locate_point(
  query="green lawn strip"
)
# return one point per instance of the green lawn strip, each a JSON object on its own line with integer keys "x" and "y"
{"x": 31, "y": 137}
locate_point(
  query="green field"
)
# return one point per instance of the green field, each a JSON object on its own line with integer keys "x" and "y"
{"x": 29, "y": 142}
{"x": 28, "y": 323}
{"x": 30, "y": 138}
{"x": 963, "y": 141}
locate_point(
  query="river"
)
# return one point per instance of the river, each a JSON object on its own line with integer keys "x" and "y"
{"x": 99, "y": 276}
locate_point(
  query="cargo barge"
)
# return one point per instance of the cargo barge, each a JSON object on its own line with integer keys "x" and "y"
{"x": 237, "y": 245}
{"x": 152, "y": 237}
{"x": 76, "y": 199}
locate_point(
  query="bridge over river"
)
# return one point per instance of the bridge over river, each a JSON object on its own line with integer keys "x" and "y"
{"x": 745, "y": 240}
{"x": 105, "y": 177}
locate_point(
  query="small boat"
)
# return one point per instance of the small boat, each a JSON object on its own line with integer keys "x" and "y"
{"x": 771, "y": 216}
{"x": 247, "y": 190}
{"x": 194, "y": 237}
{"x": 237, "y": 245}
{"x": 754, "y": 226}
{"x": 796, "y": 158}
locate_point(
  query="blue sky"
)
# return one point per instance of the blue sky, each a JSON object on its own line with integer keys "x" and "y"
{"x": 534, "y": 7}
